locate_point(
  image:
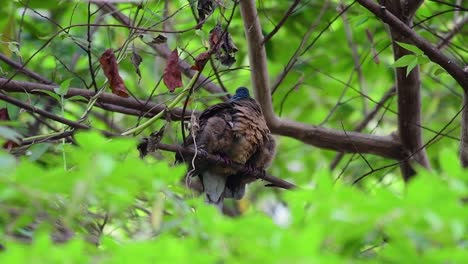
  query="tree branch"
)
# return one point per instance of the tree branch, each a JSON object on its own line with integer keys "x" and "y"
{"x": 213, "y": 159}
{"x": 258, "y": 60}
{"x": 409, "y": 95}
{"x": 432, "y": 52}
{"x": 389, "y": 94}
{"x": 286, "y": 15}
{"x": 24, "y": 70}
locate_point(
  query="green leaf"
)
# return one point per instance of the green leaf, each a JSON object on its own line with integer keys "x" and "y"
{"x": 37, "y": 150}
{"x": 411, "y": 67}
{"x": 438, "y": 71}
{"x": 49, "y": 93}
{"x": 423, "y": 59}
{"x": 78, "y": 98}
{"x": 405, "y": 61}
{"x": 7, "y": 162}
{"x": 362, "y": 20}
{"x": 10, "y": 134}
{"x": 410, "y": 47}
{"x": 63, "y": 89}
{"x": 13, "y": 47}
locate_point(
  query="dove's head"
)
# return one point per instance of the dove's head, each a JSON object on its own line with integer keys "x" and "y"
{"x": 241, "y": 93}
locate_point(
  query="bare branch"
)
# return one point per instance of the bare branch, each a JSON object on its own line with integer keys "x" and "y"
{"x": 258, "y": 60}
{"x": 287, "y": 14}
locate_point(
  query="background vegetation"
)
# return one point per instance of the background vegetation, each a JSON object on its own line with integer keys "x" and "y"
{"x": 74, "y": 189}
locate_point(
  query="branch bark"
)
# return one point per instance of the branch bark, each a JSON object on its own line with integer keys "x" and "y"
{"x": 408, "y": 91}
{"x": 389, "y": 94}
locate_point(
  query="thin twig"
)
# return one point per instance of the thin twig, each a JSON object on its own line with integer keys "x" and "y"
{"x": 286, "y": 15}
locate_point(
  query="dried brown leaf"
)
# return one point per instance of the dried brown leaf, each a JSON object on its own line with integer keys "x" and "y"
{"x": 205, "y": 8}
{"x": 172, "y": 76}
{"x": 200, "y": 61}
{"x": 111, "y": 70}
{"x": 136, "y": 61}
{"x": 222, "y": 46}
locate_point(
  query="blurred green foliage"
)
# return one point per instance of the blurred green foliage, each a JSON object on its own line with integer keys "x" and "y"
{"x": 326, "y": 222}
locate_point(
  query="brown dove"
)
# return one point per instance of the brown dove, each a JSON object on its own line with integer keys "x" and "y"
{"x": 236, "y": 131}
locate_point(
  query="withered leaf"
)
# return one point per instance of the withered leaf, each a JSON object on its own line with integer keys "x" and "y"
{"x": 205, "y": 8}
{"x": 136, "y": 61}
{"x": 222, "y": 46}
{"x": 200, "y": 61}
{"x": 111, "y": 70}
{"x": 172, "y": 76}
{"x": 215, "y": 37}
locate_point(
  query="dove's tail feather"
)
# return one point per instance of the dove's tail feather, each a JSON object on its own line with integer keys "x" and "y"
{"x": 213, "y": 185}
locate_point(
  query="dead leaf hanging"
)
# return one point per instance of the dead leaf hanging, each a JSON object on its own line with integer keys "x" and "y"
{"x": 136, "y": 61}
{"x": 111, "y": 70}
{"x": 222, "y": 46}
{"x": 205, "y": 8}
{"x": 200, "y": 61}
{"x": 172, "y": 76}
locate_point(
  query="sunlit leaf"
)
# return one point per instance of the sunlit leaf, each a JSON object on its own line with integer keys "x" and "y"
{"x": 410, "y": 47}
{"x": 405, "y": 61}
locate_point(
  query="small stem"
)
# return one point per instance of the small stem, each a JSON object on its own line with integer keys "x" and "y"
{"x": 40, "y": 137}
{"x": 62, "y": 104}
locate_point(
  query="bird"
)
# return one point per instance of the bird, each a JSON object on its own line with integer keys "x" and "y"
{"x": 236, "y": 131}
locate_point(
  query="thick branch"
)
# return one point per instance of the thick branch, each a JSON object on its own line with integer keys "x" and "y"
{"x": 213, "y": 159}
{"x": 409, "y": 95}
{"x": 258, "y": 60}
{"x": 350, "y": 142}
{"x": 389, "y": 94}
{"x": 432, "y": 52}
